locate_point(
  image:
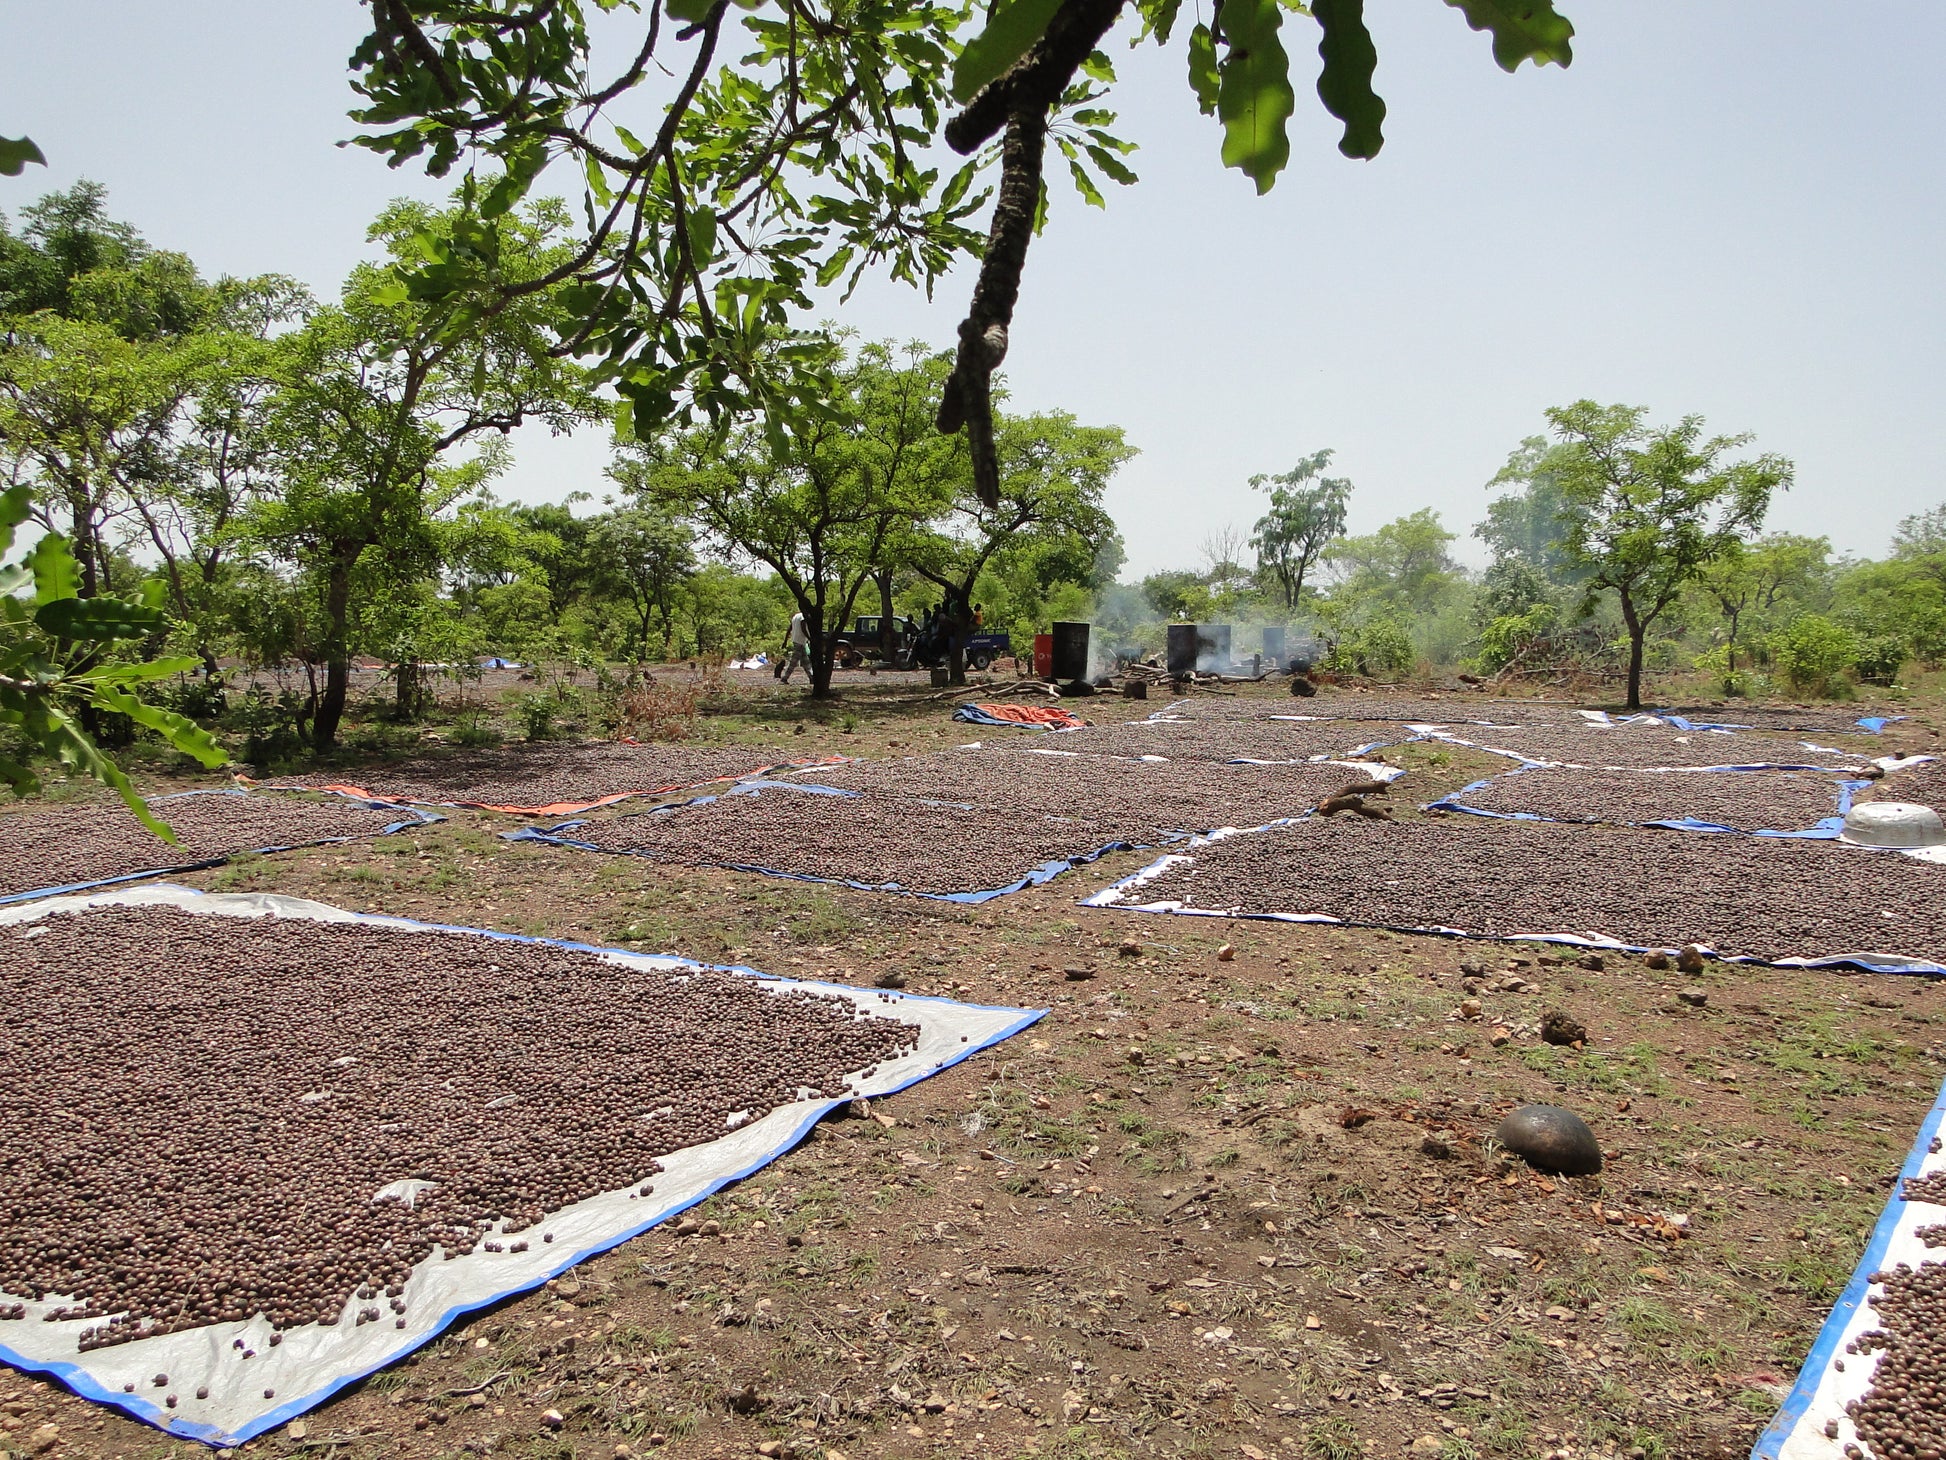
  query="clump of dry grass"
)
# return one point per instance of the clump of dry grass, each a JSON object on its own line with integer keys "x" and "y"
{"x": 650, "y": 708}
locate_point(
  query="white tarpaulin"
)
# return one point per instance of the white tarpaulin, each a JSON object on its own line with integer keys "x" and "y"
{"x": 1127, "y": 896}
{"x": 313, "y": 1362}
{"x": 1828, "y": 1382}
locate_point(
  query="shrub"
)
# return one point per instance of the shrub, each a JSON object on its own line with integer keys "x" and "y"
{"x": 473, "y": 729}
{"x": 1880, "y": 657}
{"x": 1813, "y": 653}
{"x": 1380, "y": 649}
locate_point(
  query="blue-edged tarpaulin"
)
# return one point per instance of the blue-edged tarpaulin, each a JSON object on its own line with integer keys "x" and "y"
{"x": 316, "y": 1361}
{"x": 1527, "y": 759}
{"x": 1874, "y": 723}
{"x": 1822, "y": 1390}
{"x": 409, "y": 817}
{"x": 561, "y": 834}
{"x": 1825, "y": 829}
{"x": 1120, "y": 895}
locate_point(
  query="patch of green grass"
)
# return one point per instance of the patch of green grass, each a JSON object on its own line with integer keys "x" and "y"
{"x": 1644, "y": 1319}
{"x": 1332, "y": 1439}
{"x": 1813, "y": 1274}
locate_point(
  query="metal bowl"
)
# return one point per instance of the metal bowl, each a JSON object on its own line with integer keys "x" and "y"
{"x": 1893, "y": 824}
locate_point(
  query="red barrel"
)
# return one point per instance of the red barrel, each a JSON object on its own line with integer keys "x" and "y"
{"x": 1044, "y": 656}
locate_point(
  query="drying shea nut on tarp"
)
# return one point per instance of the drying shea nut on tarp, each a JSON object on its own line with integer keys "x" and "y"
{"x": 265, "y": 1146}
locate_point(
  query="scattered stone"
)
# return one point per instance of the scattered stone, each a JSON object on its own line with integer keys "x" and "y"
{"x": 1558, "y": 1027}
{"x": 1435, "y": 1146}
{"x": 1549, "y": 1138}
{"x": 1693, "y": 996}
{"x": 1690, "y": 960}
{"x": 553, "y": 1419}
{"x": 1130, "y": 948}
{"x": 1657, "y": 960}
{"x": 1469, "y": 1008}
{"x": 1080, "y": 973}
{"x": 890, "y": 979}
{"x": 1227, "y": 952}
{"x": 1593, "y": 962}
{"x": 1500, "y": 1035}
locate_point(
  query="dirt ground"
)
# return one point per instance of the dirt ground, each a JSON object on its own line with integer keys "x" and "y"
{"x": 1239, "y": 1204}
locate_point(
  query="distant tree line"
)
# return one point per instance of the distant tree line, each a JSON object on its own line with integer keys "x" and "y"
{"x": 1619, "y": 549}
{"x": 303, "y": 483}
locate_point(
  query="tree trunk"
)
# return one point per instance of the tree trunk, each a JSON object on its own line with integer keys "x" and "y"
{"x": 885, "y": 625}
{"x": 337, "y": 661}
{"x": 1637, "y": 632}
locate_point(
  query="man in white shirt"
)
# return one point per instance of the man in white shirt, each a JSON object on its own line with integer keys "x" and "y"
{"x": 797, "y": 649}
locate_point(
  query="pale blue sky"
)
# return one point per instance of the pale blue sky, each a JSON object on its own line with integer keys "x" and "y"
{"x": 1731, "y": 207}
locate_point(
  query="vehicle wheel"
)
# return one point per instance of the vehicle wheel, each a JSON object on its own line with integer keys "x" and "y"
{"x": 979, "y": 661}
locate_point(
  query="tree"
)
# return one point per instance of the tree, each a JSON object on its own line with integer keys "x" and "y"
{"x": 820, "y": 506}
{"x": 1405, "y": 566}
{"x": 1651, "y": 509}
{"x": 1529, "y": 524}
{"x": 1053, "y": 472}
{"x": 1222, "y": 552}
{"x": 1307, "y": 514}
{"x": 91, "y": 418}
{"x": 648, "y": 557}
{"x": 812, "y": 156}
{"x": 373, "y": 393}
{"x": 1751, "y": 577}
{"x": 71, "y": 259}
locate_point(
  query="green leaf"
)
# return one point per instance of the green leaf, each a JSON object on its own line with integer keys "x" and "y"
{"x": 15, "y": 504}
{"x": 1158, "y": 20}
{"x": 1085, "y": 185}
{"x": 690, "y": 12}
{"x": 56, "y": 574}
{"x": 18, "y": 776}
{"x": 16, "y": 153}
{"x": 1202, "y": 68}
{"x": 96, "y": 619}
{"x": 1345, "y": 83}
{"x": 1011, "y": 31}
{"x": 1254, "y": 97}
{"x": 179, "y": 730}
{"x": 64, "y": 740}
{"x": 1523, "y": 30}
{"x": 702, "y": 236}
{"x": 121, "y": 671}
{"x": 830, "y": 270}
{"x": 13, "y": 578}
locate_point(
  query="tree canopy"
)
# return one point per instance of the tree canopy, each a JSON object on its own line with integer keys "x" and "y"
{"x": 1307, "y": 513}
{"x": 806, "y": 150}
{"x": 1649, "y": 509}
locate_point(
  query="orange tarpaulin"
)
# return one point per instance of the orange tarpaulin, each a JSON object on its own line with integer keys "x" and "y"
{"x": 1052, "y": 716}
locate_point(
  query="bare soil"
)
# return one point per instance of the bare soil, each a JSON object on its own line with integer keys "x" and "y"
{"x": 1234, "y": 1206}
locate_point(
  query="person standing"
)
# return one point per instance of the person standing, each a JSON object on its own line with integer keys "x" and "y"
{"x": 797, "y": 648}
